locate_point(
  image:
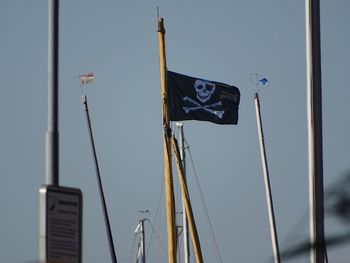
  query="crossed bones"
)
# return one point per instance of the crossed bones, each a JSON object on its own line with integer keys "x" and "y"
{"x": 198, "y": 106}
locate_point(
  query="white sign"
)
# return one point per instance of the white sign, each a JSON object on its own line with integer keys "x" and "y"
{"x": 63, "y": 224}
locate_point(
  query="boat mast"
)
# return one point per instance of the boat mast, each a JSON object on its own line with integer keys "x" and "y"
{"x": 184, "y": 219}
{"x": 141, "y": 255}
{"x": 143, "y": 241}
{"x": 314, "y": 113}
{"x": 99, "y": 181}
{"x": 186, "y": 199}
{"x": 273, "y": 230}
{"x": 168, "y": 177}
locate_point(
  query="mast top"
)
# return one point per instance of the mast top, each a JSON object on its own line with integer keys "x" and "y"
{"x": 160, "y": 21}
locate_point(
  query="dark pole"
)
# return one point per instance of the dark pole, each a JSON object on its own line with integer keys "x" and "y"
{"x": 102, "y": 197}
{"x": 52, "y": 136}
{"x": 314, "y": 105}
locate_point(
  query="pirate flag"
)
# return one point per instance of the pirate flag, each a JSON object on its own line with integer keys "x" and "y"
{"x": 203, "y": 100}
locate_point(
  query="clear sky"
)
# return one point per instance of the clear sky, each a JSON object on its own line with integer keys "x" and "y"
{"x": 219, "y": 40}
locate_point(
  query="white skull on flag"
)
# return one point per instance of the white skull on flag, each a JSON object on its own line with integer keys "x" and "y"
{"x": 204, "y": 89}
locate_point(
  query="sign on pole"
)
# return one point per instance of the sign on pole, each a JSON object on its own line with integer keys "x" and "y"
{"x": 60, "y": 224}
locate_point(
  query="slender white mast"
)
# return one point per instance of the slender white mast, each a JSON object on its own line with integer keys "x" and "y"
{"x": 184, "y": 219}
{"x": 141, "y": 253}
{"x": 273, "y": 230}
{"x": 314, "y": 113}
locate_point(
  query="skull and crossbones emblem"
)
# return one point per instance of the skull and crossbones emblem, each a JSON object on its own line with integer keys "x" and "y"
{"x": 204, "y": 90}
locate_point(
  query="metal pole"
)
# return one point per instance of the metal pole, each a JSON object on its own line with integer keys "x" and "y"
{"x": 314, "y": 109}
{"x": 184, "y": 218}
{"x": 143, "y": 260}
{"x": 102, "y": 197}
{"x": 52, "y": 136}
{"x": 186, "y": 198}
{"x": 168, "y": 177}
{"x": 273, "y": 230}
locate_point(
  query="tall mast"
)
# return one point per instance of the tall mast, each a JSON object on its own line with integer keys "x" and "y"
{"x": 273, "y": 230}
{"x": 184, "y": 219}
{"x": 186, "y": 200}
{"x": 314, "y": 110}
{"x": 141, "y": 255}
{"x": 168, "y": 177}
{"x": 99, "y": 181}
{"x": 143, "y": 240}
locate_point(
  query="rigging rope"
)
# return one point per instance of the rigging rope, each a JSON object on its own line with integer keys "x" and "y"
{"x": 157, "y": 236}
{"x": 212, "y": 236}
{"x": 155, "y": 218}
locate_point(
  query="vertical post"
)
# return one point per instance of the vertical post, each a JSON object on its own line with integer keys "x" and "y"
{"x": 184, "y": 219}
{"x": 273, "y": 230}
{"x": 168, "y": 177}
{"x": 314, "y": 109}
{"x": 99, "y": 181}
{"x": 52, "y": 136}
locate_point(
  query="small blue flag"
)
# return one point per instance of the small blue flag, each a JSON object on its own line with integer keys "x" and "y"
{"x": 263, "y": 81}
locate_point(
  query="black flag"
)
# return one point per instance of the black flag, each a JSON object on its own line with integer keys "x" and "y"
{"x": 203, "y": 100}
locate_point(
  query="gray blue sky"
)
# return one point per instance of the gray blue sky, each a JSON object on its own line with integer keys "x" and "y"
{"x": 219, "y": 40}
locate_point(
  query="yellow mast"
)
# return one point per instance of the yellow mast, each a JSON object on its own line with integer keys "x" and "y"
{"x": 186, "y": 200}
{"x": 168, "y": 177}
